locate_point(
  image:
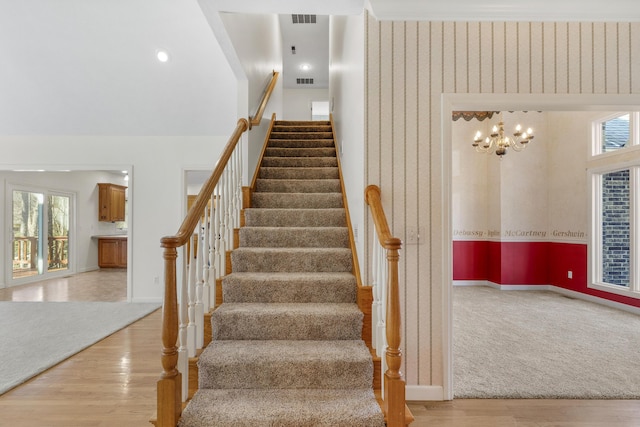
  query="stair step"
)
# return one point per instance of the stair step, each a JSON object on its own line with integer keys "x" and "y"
{"x": 312, "y": 134}
{"x": 299, "y": 173}
{"x": 302, "y": 123}
{"x": 297, "y": 200}
{"x": 294, "y": 237}
{"x": 257, "y": 217}
{"x": 301, "y": 143}
{"x": 301, "y": 128}
{"x": 298, "y": 185}
{"x": 300, "y": 152}
{"x": 292, "y": 161}
{"x": 283, "y": 408}
{"x": 285, "y": 364}
{"x": 291, "y": 260}
{"x": 289, "y": 287}
{"x": 287, "y": 321}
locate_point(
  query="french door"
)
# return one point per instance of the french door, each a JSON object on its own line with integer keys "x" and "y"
{"x": 40, "y": 245}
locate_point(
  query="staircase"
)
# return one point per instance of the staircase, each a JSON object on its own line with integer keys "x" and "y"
{"x": 287, "y": 348}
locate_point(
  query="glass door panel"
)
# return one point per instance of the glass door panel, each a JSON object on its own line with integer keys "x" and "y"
{"x": 58, "y": 232}
{"x": 27, "y": 229}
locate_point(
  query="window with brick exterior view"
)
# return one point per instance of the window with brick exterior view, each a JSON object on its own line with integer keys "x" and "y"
{"x": 616, "y": 229}
{"x": 614, "y": 172}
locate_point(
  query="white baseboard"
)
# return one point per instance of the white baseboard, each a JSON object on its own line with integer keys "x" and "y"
{"x": 470, "y": 283}
{"x": 597, "y": 300}
{"x": 552, "y": 288}
{"x": 424, "y": 392}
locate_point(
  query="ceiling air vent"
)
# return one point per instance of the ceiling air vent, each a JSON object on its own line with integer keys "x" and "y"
{"x": 303, "y": 19}
{"x": 304, "y": 81}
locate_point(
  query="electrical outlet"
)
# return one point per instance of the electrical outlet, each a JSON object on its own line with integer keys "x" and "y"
{"x": 569, "y": 274}
{"x": 355, "y": 233}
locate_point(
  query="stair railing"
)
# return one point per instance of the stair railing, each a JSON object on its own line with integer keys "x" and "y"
{"x": 209, "y": 228}
{"x": 386, "y": 318}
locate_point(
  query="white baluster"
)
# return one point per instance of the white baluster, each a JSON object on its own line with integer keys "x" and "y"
{"x": 191, "y": 327}
{"x": 183, "y": 356}
{"x": 211, "y": 256}
{"x": 199, "y": 308}
{"x": 223, "y": 222}
{"x": 217, "y": 232}
{"x": 382, "y": 297}
{"x": 228, "y": 217}
{"x": 206, "y": 289}
{"x": 375, "y": 285}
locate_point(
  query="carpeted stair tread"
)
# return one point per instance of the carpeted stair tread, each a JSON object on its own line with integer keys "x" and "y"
{"x": 339, "y": 287}
{"x": 302, "y": 123}
{"x": 299, "y": 173}
{"x": 301, "y": 134}
{"x": 294, "y": 237}
{"x": 283, "y": 408}
{"x": 285, "y": 364}
{"x": 291, "y": 260}
{"x": 301, "y": 143}
{"x": 292, "y": 161}
{"x": 298, "y": 186}
{"x": 287, "y": 321}
{"x": 300, "y": 152}
{"x": 301, "y": 127}
{"x": 297, "y": 200}
{"x": 264, "y": 217}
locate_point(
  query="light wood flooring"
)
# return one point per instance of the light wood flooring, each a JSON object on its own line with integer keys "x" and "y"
{"x": 112, "y": 383}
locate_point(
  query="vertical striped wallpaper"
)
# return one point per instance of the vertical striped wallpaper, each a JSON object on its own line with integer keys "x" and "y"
{"x": 408, "y": 66}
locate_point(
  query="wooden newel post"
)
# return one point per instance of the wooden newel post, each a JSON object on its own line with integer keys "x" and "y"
{"x": 394, "y": 385}
{"x": 170, "y": 383}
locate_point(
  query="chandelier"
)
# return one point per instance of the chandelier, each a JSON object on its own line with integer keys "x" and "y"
{"x": 498, "y": 142}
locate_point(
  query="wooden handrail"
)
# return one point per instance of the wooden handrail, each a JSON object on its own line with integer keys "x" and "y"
{"x": 197, "y": 209}
{"x": 394, "y": 384}
{"x": 257, "y": 118}
{"x": 170, "y": 383}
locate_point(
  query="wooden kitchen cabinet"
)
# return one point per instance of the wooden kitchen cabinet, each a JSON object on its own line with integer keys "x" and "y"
{"x": 112, "y": 252}
{"x": 112, "y": 199}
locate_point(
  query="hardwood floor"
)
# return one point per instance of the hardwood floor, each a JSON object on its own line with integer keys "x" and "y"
{"x": 107, "y": 285}
{"x": 113, "y": 382}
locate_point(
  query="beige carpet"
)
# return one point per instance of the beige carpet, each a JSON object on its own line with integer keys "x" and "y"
{"x": 38, "y": 335}
{"x": 539, "y": 344}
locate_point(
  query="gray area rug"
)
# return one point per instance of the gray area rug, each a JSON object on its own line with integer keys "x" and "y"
{"x": 37, "y": 335}
{"x": 539, "y": 344}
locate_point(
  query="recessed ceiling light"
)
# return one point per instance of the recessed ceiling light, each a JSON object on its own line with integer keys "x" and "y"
{"x": 162, "y": 55}
{"x": 305, "y": 67}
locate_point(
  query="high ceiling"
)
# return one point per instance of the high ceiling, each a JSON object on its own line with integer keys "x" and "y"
{"x": 79, "y": 67}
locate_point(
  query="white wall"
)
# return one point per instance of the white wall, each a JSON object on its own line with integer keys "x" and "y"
{"x": 257, "y": 43}
{"x": 297, "y": 102}
{"x": 346, "y": 88}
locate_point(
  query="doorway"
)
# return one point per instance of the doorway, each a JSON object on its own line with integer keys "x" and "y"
{"x": 40, "y": 244}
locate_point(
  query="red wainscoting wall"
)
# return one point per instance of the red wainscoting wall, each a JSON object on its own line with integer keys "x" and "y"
{"x": 527, "y": 263}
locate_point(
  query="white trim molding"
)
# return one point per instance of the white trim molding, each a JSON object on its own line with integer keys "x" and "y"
{"x": 424, "y": 393}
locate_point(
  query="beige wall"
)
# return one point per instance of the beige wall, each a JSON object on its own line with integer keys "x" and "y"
{"x": 410, "y": 65}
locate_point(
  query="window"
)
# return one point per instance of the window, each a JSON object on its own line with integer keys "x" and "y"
{"x": 615, "y": 132}
{"x": 615, "y": 196}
